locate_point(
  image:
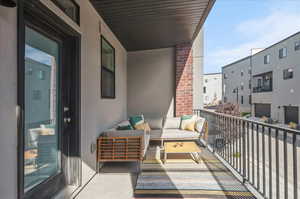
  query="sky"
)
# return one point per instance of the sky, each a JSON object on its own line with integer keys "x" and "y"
{"x": 38, "y": 55}
{"x": 234, "y": 27}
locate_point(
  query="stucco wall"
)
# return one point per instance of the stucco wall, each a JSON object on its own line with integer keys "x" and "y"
{"x": 8, "y": 102}
{"x": 96, "y": 114}
{"x": 198, "y": 56}
{"x": 151, "y": 82}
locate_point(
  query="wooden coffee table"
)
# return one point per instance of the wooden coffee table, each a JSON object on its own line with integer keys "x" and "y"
{"x": 182, "y": 147}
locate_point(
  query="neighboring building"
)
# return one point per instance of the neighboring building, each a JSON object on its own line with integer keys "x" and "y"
{"x": 236, "y": 78}
{"x": 271, "y": 90}
{"x": 276, "y": 91}
{"x": 212, "y": 88}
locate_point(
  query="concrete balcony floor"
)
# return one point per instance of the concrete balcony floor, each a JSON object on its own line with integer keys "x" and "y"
{"x": 180, "y": 177}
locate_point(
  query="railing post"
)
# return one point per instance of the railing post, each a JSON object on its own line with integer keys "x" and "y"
{"x": 244, "y": 152}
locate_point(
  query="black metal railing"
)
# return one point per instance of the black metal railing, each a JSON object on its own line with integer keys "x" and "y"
{"x": 264, "y": 155}
{"x": 262, "y": 89}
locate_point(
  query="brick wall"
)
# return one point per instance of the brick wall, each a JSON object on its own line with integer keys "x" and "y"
{"x": 184, "y": 80}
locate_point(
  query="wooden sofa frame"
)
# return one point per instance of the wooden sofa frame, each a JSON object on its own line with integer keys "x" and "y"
{"x": 119, "y": 148}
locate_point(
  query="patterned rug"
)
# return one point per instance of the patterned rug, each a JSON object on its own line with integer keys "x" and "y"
{"x": 182, "y": 177}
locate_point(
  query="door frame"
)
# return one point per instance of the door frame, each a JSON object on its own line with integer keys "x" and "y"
{"x": 44, "y": 19}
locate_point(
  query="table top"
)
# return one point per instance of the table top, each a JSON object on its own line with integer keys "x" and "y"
{"x": 30, "y": 154}
{"x": 181, "y": 147}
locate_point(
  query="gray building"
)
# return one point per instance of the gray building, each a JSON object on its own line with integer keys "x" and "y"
{"x": 275, "y": 78}
{"x": 265, "y": 83}
{"x": 236, "y": 80}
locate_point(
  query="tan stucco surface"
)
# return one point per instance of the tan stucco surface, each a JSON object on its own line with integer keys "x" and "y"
{"x": 151, "y": 82}
{"x": 8, "y": 102}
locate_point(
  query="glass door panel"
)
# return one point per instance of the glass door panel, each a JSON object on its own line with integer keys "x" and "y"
{"x": 42, "y": 157}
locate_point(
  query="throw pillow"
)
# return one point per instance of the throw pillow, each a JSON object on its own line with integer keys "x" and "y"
{"x": 144, "y": 126}
{"x": 199, "y": 124}
{"x": 125, "y": 125}
{"x": 190, "y": 126}
{"x": 187, "y": 119}
{"x": 172, "y": 123}
{"x": 136, "y": 120}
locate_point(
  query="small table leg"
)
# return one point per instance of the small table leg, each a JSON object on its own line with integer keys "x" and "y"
{"x": 165, "y": 157}
{"x": 196, "y": 157}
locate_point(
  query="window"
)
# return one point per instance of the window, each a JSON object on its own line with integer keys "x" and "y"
{"x": 204, "y": 89}
{"x": 282, "y": 53}
{"x": 242, "y": 86}
{"x": 242, "y": 73}
{"x": 250, "y": 85}
{"x": 242, "y": 99}
{"x": 69, "y": 7}
{"x": 297, "y": 45}
{"x": 250, "y": 99}
{"x": 288, "y": 74}
{"x": 42, "y": 75}
{"x": 225, "y": 99}
{"x": 266, "y": 59}
{"x": 107, "y": 69}
{"x": 206, "y": 80}
{"x": 249, "y": 71}
{"x": 225, "y": 76}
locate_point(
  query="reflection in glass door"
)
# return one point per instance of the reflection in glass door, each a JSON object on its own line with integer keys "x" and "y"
{"x": 41, "y": 130}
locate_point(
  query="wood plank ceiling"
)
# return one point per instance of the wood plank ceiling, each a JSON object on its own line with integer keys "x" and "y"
{"x": 151, "y": 24}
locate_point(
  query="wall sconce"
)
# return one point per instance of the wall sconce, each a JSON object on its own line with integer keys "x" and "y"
{"x": 8, "y": 3}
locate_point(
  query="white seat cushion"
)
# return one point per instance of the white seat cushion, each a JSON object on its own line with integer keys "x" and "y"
{"x": 175, "y": 134}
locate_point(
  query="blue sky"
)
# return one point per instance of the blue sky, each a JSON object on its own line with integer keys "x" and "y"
{"x": 234, "y": 27}
{"x": 38, "y": 55}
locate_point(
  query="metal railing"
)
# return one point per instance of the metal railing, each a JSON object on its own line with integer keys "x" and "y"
{"x": 264, "y": 155}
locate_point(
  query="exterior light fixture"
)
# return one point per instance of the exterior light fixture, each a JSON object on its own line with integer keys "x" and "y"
{"x": 8, "y": 3}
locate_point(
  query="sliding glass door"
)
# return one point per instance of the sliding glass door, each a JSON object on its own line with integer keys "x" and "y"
{"x": 42, "y": 105}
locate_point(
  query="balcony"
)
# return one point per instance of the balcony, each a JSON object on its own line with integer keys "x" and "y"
{"x": 263, "y": 156}
{"x": 262, "y": 89}
{"x": 263, "y": 82}
{"x": 180, "y": 177}
{"x": 240, "y": 158}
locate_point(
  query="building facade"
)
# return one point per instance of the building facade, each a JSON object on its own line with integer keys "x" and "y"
{"x": 212, "y": 88}
{"x": 236, "y": 78}
{"x": 265, "y": 83}
{"x": 276, "y": 70}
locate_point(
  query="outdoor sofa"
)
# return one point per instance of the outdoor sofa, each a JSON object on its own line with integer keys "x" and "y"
{"x": 131, "y": 145}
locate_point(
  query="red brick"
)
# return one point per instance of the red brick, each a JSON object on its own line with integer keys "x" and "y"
{"x": 184, "y": 79}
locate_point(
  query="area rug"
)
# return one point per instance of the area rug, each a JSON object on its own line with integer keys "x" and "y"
{"x": 182, "y": 177}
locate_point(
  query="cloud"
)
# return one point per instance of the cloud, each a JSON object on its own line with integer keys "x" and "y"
{"x": 257, "y": 33}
